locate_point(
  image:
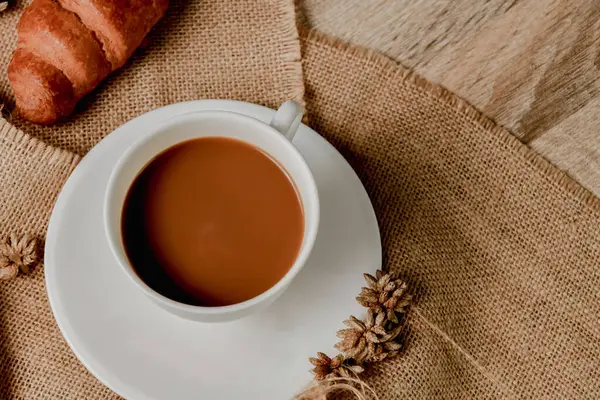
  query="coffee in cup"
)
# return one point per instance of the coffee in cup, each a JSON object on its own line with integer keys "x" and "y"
{"x": 212, "y": 221}
{"x": 212, "y": 214}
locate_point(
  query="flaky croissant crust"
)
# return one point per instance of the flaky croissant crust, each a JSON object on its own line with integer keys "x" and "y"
{"x": 66, "y": 47}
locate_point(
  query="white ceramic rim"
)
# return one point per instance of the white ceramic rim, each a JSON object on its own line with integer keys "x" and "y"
{"x": 115, "y": 240}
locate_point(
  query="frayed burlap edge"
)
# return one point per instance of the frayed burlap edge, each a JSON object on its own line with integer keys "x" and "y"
{"x": 36, "y": 147}
{"x": 554, "y": 175}
{"x": 292, "y": 53}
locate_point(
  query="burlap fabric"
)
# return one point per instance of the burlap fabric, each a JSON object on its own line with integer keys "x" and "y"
{"x": 504, "y": 246}
{"x": 242, "y": 49}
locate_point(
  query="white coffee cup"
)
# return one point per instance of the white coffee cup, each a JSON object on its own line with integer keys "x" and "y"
{"x": 274, "y": 139}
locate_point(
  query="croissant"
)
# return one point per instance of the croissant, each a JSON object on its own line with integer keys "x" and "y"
{"x": 66, "y": 47}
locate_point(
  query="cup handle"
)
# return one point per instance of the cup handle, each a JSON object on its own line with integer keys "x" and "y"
{"x": 287, "y": 119}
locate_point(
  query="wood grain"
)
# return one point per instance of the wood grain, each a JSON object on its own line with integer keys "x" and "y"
{"x": 532, "y": 65}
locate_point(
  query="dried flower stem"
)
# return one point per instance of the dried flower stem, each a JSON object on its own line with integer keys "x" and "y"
{"x": 319, "y": 390}
{"x": 18, "y": 254}
{"x": 373, "y": 339}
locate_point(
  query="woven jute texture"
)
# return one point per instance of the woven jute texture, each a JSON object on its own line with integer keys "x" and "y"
{"x": 504, "y": 246}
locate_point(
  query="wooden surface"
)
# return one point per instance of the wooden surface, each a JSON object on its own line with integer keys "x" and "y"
{"x": 531, "y": 65}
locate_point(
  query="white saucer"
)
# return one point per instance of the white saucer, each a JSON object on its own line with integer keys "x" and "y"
{"x": 142, "y": 352}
